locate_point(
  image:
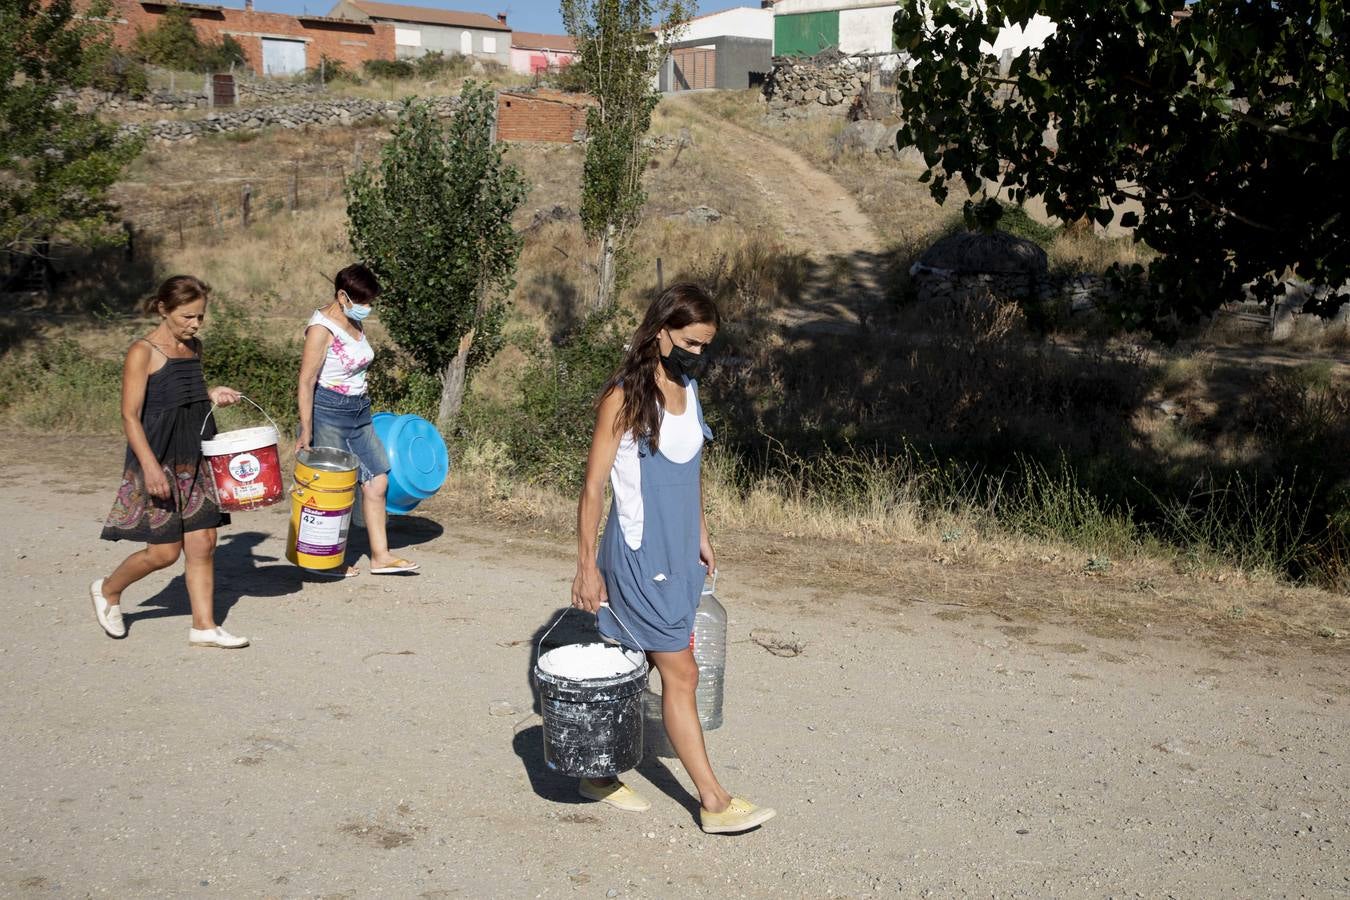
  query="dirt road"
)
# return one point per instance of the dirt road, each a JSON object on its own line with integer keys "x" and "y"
{"x": 378, "y": 738}
{"x": 815, "y": 215}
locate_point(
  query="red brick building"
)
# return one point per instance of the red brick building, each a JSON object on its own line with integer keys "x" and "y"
{"x": 274, "y": 43}
{"x": 541, "y": 115}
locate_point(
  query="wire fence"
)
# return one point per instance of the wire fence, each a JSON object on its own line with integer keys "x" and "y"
{"x": 179, "y": 210}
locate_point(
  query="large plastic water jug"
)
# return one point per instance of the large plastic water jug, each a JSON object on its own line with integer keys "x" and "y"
{"x": 710, "y": 652}
{"x": 709, "y": 642}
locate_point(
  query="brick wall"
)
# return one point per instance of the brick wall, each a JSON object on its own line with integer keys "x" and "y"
{"x": 540, "y": 116}
{"x": 351, "y": 42}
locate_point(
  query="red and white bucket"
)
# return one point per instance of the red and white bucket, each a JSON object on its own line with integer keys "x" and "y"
{"x": 245, "y": 465}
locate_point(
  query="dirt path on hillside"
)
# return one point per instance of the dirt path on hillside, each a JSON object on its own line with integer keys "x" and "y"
{"x": 816, "y": 216}
{"x": 378, "y": 738}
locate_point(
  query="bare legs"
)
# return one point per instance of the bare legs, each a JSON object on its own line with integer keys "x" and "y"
{"x": 372, "y": 506}
{"x": 200, "y": 547}
{"x": 679, "y": 708}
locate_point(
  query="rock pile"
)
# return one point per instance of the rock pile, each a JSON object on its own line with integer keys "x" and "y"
{"x": 798, "y": 86}
{"x": 276, "y": 91}
{"x": 320, "y": 114}
{"x": 973, "y": 266}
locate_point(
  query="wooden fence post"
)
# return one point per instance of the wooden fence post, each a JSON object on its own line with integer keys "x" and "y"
{"x": 660, "y": 278}
{"x": 246, "y": 201}
{"x": 295, "y": 185}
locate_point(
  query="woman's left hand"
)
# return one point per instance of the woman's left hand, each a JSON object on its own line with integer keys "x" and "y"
{"x": 223, "y": 396}
{"x": 705, "y": 553}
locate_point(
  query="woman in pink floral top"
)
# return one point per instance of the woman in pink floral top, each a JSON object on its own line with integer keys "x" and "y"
{"x": 334, "y": 405}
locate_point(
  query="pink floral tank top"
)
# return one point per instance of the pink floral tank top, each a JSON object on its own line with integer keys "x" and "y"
{"x": 345, "y": 363}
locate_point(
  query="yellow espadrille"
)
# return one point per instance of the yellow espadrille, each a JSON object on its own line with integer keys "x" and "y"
{"x": 740, "y": 815}
{"x": 616, "y": 794}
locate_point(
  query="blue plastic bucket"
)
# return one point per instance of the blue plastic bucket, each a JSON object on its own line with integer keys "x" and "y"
{"x": 418, "y": 461}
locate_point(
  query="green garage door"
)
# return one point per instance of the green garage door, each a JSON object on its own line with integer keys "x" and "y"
{"x": 805, "y": 34}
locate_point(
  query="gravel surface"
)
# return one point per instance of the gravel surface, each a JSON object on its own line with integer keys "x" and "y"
{"x": 379, "y": 739}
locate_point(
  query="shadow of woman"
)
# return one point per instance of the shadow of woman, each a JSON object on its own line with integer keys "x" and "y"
{"x": 402, "y": 531}
{"x": 558, "y": 630}
{"x": 237, "y": 575}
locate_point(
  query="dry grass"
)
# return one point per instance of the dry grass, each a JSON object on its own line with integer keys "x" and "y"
{"x": 277, "y": 266}
{"x": 894, "y": 550}
{"x": 890, "y": 192}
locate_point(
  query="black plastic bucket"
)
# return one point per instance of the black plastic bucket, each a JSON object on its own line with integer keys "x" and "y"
{"x": 592, "y": 726}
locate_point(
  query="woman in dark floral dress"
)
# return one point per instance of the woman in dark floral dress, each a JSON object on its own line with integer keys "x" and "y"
{"x": 167, "y": 498}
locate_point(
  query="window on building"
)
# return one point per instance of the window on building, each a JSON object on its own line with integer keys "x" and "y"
{"x": 407, "y": 37}
{"x": 489, "y": 44}
{"x": 465, "y": 43}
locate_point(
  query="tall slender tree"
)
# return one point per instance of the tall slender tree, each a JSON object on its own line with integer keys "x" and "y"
{"x": 433, "y": 220}
{"x": 621, "y": 46}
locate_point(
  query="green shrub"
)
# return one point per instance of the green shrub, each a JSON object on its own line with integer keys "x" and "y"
{"x": 238, "y": 352}
{"x": 61, "y": 387}
{"x": 175, "y": 44}
{"x": 388, "y": 68}
{"x": 437, "y": 65}
{"x": 329, "y": 70}
{"x": 548, "y": 429}
{"x": 118, "y": 73}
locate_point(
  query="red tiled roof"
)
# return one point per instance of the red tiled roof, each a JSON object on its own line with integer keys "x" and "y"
{"x": 531, "y": 40}
{"x": 426, "y": 16}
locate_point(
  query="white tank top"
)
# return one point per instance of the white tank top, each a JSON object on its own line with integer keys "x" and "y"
{"x": 346, "y": 361}
{"x": 681, "y": 439}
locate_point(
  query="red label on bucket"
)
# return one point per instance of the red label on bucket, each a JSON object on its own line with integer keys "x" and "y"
{"x": 248, "y": 477}
{"x": 323, "y": 532}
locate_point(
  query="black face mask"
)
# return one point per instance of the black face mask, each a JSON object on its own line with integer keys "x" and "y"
{"x": 684, "y": 363}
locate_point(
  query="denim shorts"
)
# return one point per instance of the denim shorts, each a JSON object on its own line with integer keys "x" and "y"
{"x": 343, "y": 422}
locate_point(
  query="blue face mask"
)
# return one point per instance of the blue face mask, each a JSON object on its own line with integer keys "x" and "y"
{"x": 356, "y": 312}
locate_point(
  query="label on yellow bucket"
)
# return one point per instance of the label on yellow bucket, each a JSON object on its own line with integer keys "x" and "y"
{"x": 323, "y": 532}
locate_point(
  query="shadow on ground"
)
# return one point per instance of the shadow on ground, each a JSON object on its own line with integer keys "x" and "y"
{"x": 240, "y": 572}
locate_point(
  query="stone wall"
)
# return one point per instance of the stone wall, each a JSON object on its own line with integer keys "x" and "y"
{"x": 321, "y": 114}
{"x": 251, "y": 93}
{"x": 798, "y": 86}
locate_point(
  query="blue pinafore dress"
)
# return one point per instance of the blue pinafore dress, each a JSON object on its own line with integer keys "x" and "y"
{"x": 655, "y": 589}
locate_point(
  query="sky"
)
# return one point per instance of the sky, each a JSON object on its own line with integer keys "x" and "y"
{"x": 524, "y": 15}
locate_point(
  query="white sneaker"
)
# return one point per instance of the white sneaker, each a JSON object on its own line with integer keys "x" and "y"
{"x": 215, "y": 637}
{"x": 109, "y": 617}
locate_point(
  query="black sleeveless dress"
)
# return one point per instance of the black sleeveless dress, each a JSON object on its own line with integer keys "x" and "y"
{"x": 175, "y": 409}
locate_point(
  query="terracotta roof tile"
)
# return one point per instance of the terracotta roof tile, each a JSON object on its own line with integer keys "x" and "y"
{"x": 424, "y": 15}
{"x": 532, "y": 40}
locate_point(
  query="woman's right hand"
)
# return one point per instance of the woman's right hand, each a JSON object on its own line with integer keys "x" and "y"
{"x": 302, "y": 442}
{"x": 156, "y": 483}
{"x": 588, "y": 589}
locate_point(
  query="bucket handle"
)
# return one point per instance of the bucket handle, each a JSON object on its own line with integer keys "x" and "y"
{"x": 539, "y": 645}
{"x": 212, "y": 415}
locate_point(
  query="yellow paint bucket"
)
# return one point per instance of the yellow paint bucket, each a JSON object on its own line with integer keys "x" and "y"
{"x": 321, "y": 507}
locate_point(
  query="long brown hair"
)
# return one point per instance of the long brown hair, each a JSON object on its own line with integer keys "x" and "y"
{"x": 681, "y": 305}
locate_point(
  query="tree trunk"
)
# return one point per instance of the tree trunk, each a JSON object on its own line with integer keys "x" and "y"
{"x": 452, "y": 385}
{"x": 604, "y": 295}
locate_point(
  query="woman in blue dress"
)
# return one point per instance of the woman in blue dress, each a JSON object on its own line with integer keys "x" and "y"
{"x": 654, "y": 555}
